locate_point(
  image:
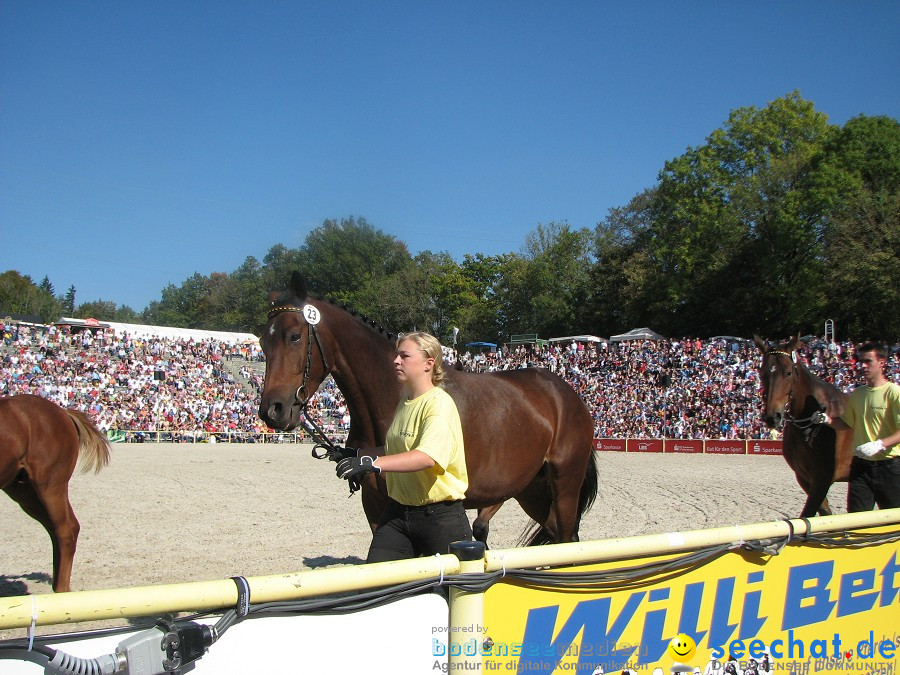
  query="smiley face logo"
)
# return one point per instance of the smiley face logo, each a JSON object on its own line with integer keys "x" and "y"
{"x": 682, "y": 648}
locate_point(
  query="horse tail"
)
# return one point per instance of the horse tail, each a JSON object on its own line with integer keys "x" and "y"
{"x": 538, "y": 535}
{"x": 93, "y": 446}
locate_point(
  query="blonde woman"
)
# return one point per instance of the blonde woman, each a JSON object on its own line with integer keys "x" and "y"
{"x": 424, "y": 461}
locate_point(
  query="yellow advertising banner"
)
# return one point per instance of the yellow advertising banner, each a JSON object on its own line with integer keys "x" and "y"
{"x": 809, "y": 608}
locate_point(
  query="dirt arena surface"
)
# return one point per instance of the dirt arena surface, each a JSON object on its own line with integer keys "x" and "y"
{"x": 170, "y": 513}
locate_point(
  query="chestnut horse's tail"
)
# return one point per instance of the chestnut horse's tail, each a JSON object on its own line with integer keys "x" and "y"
{"x": 539, "y": 535}
{"x": 93, "y": 447}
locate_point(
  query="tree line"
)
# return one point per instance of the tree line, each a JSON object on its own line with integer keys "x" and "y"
{"x": 777, "y": 222}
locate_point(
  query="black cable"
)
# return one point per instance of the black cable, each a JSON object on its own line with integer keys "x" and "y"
{"x": 19, "y": 645}
{"x": 601, "y": 580}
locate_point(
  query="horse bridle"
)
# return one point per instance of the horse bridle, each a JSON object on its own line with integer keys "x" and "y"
{"x": 802, "y": 423}
{"x": 321, "y": 441}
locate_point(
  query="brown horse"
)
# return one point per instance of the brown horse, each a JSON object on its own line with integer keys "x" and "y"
{"x": 818, "y": 455}
{"x": 527, "y": 434}
{"x": 40, "y": 443}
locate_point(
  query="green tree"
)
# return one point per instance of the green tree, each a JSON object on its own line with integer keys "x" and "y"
{"x": 859, "y": 180}
{"x": 68, "y": 302}
{"x": 480, "y": 319}
{"x": 102, "y": 310}
{"x": 246, "y": 291}
{"x": 184, "y": 306}
{"x": 46, "y": 286}
{"x": 622, "y": 268}
{"x": 19, "y": 295}
{"x": 343, "y": 258}
{"x": 732, "y": 238}
{"x": 278, "y": 265}
{"x": 545, "y": 291}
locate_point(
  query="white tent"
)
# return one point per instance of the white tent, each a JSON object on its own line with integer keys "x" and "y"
{"x": 183, "y": 333}
{"x": 637, "y": 334}
{"x": 578, "y": 338}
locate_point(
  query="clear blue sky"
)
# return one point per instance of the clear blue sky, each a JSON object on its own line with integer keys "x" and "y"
{"x": 141, "y": 142}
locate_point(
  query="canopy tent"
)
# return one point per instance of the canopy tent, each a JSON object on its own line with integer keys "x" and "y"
{"x": 637, "y": 334}
{"x": 483, "y": 345}
{"x": 730, "y": 338}
{"x": 76, "y": 325}
{"x": 184, "y": 333}
{"x": 579, "y": 338}
{"x": 160, "y": 331}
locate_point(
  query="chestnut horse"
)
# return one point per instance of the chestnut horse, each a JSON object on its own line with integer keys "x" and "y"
{"x": 527, "y": 434}
{"x": 40, "y": 443}
{"x": 792, "y": 399}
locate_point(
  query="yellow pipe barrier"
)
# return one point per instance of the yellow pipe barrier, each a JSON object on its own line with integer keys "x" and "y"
{"x": 70, "y": 608}
{"x": 117, "y": 603}
{"x": 466, "y": 611}
{"x": 671, "y": 542}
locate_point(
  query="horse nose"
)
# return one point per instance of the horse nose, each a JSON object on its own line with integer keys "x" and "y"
{"x": 272, "y": 414}
{"x": 775, "y": 420}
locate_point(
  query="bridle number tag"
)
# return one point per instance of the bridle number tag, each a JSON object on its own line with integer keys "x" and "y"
{"x": 311, "y": 314}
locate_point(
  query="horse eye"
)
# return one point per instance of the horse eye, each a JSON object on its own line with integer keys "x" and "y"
{"x": 295, "y": 337}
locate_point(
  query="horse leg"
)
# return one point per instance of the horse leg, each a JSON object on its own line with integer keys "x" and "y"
{"x": 822, "y": 458}
{"x": 565, "y": 486}
{"x": 816, "y": 497}
{"x": 51, "y": 508}
{"x": 481, "y": 527}
{"x": 535, "y": 501}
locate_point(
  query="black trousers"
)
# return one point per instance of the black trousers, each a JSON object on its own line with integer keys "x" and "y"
{"x": 412, "y": 531}
{"x": 873, "y": 482}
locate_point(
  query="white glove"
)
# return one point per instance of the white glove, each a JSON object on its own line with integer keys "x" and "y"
{"x": 868, "y": 450}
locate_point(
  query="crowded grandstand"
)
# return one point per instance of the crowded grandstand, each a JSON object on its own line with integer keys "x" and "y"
{"x": 149, "y": 383}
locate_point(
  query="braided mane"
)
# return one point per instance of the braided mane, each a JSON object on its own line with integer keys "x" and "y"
{"x": 289, "y": 298}
{"x": 361, "y": 317}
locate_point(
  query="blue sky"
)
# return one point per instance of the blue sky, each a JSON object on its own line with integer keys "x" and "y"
{"x": 141, "y": 142}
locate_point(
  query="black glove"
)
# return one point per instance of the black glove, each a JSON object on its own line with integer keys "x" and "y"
{"x": 343, "y": 453}
{"x": 354, "y": 468}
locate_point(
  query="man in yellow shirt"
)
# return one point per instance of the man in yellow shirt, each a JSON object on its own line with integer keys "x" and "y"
{"x": 873, "y": 411}
{"x": 424, "y": 461}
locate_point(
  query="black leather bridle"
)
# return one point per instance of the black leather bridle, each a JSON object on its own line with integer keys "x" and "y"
{"x": 323, "y": 447}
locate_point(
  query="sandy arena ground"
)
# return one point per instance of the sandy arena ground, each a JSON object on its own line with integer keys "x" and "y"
{"x": 172, "y": 513}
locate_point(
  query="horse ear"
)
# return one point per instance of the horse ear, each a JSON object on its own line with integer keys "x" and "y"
{"x": 794, "y": 341}
{"x": 298, "y": 285}
{"x": 758, "y": 341}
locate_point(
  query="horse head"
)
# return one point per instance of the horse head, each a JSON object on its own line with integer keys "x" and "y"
{"x": 295, "y": 360}
{"x": 776, "y": 376}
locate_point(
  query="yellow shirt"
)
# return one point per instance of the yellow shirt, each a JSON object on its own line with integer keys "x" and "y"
{"x": 874, "y": 413}
{"x": 428, "y": 423}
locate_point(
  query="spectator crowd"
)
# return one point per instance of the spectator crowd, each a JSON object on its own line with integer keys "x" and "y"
{"x": 680, "y": 388}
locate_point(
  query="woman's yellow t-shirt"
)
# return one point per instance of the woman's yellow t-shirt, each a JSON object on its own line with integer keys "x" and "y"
{"x": 428, "y": 423}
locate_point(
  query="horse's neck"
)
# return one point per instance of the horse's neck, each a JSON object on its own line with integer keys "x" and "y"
{"x": 814, "y": 393}
{"x": 362, "y": 371}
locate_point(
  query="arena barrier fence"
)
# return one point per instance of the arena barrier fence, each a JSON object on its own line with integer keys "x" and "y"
{"x": 690, "y": 446}
{"x": 197, "y": 436}
{"x": 799, "y": 595}
{"x": 709, "y": 446}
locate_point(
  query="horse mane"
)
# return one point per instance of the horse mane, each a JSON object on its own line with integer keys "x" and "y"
{"x": 289, "y": 297}
{"x": 371, "y": 323}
